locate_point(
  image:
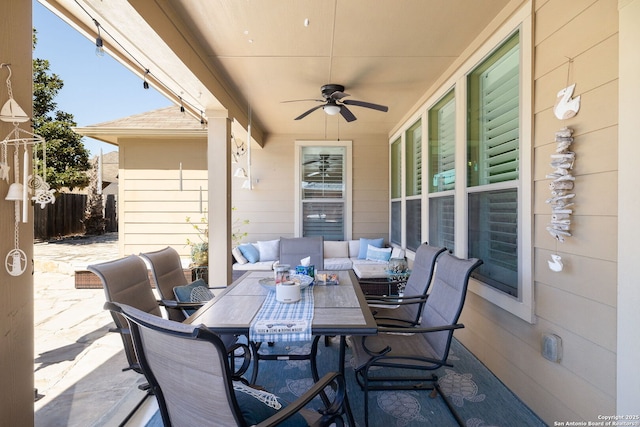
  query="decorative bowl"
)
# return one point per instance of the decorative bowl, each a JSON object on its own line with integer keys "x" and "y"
{"x": 269, "y": 283}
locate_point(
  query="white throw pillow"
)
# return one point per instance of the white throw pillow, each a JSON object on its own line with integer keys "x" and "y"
{"x": 238, "y": 256}
{"x": 269, "y": 250}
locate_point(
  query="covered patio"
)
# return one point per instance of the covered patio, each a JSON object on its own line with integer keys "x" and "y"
{"x": 232, "y": 65}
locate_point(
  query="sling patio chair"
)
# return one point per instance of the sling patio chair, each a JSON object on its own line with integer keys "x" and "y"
{"x": 406, "y": 311}
{"x": 126, "y": 281}
{"x": 189, "y": 373}
{"x": 401, "y": 358}
{"x": 168, "y": 274}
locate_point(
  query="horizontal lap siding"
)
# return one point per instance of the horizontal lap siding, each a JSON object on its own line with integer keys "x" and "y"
{"x": 156, "y": 201}
{"x": 579, "y": 303}
{"x": 269, "y": 207}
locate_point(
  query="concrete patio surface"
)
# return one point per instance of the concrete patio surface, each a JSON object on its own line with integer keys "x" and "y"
{"x": 77, "y": 362}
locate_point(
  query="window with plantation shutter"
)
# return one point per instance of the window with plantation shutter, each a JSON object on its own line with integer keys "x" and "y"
{"x": 477, "y": 169}
{"x": 494, "y": 117}
{"x": 442, "y": 144}
{"x": 493, "y": 158}
{"x": 322, "y": 192}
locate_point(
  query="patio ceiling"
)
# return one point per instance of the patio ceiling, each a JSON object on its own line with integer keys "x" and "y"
{"x": 232, "y": 54}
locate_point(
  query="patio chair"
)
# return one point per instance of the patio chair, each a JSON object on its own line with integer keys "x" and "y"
{"x": 168, "y": 274}
{"x": 191, "y": 379}
{"x": 126, "y": 281}
{"x": 393, "y": 311}
{"x": 401, "y": 358}
{"x": 294, "y": 249}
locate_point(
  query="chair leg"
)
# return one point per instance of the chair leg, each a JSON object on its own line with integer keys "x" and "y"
{"x": 437, "y": 390}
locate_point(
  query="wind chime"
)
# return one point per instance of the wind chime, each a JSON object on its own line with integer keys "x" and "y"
{"x": 562, "y": 161}
{"x": 33, "y": 186}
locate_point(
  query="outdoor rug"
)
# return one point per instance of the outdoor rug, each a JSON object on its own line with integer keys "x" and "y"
{"x": 478, "y": 396}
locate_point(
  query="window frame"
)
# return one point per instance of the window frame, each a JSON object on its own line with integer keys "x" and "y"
{"x": 520, "y": 21}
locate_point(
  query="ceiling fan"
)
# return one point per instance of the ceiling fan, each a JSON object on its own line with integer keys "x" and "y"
{"x": 323, "y": 164}
{"x": 333, "y": 103}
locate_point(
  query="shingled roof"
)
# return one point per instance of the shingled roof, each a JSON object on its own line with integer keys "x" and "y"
{"x": 162, "y": 118}
{"x": 163, "y": 122}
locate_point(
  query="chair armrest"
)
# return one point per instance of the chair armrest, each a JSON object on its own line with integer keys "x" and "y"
{"x": 404, "y": 330}
{"x": 328, "y": 415}
{"x": 395, "y": 300}
{"x": 170, "y": 303}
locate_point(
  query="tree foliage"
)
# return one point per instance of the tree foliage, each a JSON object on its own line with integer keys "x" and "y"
{"x": 67, "y": 159}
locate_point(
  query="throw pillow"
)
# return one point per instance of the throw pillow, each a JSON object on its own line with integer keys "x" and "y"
{"x": 250, "y": 252}
{"x": 238, "y": 256}
{"x": 257, "y": 405}
{"x": 196, "y": 291}
{"x": 269, "y": 250}
{"x": 378, "y": 254}
{"x": 397, "y": 253}
{"x": 364, "y": 243}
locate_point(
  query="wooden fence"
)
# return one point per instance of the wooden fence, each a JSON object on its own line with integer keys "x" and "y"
{"x": 65, "y": 216}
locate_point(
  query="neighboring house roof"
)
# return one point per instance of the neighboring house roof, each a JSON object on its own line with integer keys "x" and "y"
{"x": 163, "y": 122}
{"x": 110, "y": 162}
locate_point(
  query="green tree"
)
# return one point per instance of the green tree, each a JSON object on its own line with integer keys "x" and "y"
{"x": 67, "y": 159}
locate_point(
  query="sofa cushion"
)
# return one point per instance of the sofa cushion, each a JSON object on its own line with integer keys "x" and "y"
{"x": 335, "y": 264}
{"x": 378, "y": 254}
{"x": 269, "y": 250}
{"x": 354, "y": 248}
{"x": 255, "y": 266}
{"x": 336, "y": 249}
{"x": 364, "y": 243}
{"x": 369, "y": 269}
{"x": 250, "y": 252}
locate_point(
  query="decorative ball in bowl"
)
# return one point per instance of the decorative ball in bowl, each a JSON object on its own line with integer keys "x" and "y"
{"x": 269, "y": 283}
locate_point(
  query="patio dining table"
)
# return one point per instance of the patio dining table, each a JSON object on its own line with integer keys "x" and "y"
{"x": 338, "y": 310}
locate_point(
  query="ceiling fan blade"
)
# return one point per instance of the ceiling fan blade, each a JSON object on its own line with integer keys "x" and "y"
{"x": 347, "y": 114}
{"x": 306, "y": 113}
{"x": 308, "y": 162}
{"x": 300, "y": 100}
{"x": 338, "y": 95}
{"x": 366, "y": 105}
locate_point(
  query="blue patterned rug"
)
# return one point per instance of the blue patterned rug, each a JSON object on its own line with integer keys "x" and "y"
{"x": 478, "y": 396}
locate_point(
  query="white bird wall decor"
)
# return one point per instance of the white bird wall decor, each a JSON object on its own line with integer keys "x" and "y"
{"x": 566, "y": 107}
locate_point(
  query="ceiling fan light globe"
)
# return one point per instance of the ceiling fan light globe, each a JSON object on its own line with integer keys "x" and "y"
{"x": 331, "y": 110}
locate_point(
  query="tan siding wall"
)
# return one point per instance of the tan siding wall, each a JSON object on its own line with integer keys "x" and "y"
{"x": 269, "y": 207}
{"x": 152, "y": 207}
{"x": 578, "y": 304}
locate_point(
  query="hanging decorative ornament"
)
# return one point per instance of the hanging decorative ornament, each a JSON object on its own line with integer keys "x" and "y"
{"x": 11, "y": 112}
{"x": 565, "y": 106}
{"x": 20, "y": 139}
{"x": 239, "y": 147}
{"x": 38, "y": 185}
{"x": 4, "y": 163}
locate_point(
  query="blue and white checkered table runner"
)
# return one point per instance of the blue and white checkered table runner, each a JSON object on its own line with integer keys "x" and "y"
{"x": 277, "y": 321}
